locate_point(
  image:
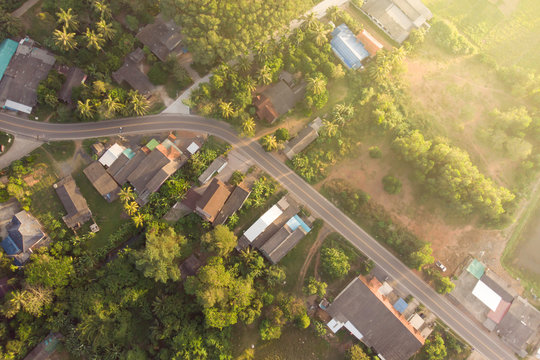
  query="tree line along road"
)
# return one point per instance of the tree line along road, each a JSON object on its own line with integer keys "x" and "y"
{"x": 484, "y": 342}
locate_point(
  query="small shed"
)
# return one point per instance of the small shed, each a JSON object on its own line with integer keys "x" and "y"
{"x": 111, "y": 155}
{"x": 400, "y": 305}
{"x": 215, "y": 167}
{"x": 476, "y": 268}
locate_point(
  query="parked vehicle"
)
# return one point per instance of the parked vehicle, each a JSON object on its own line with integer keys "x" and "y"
{"x": 440, "y": 266}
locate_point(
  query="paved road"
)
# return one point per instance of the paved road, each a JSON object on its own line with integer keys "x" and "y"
{"x": 487, "y": 344}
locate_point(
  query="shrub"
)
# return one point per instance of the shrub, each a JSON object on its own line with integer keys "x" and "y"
{"x": 282, "y": 134}
{"x": 269, "y": 331}
{"x": 320, "y": 328}
{"x": 157, "y": 74}
{"x": 236, "y": 178}
{"x": 132, "y": 23}
{"x": 335, "y": 262}
{"x": 448, "y": 37}
{"x": 391, "y": 184}
{"x": 375, "y": 152}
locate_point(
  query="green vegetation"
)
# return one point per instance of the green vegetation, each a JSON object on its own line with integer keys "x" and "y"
{"x": 335, "y": 263}
{"x": 448, "y": 37}
{"x": 391, "y": 184}
{"x": 60, "y": 150}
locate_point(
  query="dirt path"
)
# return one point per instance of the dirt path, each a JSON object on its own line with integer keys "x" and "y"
{"x": 24, "y": 8}
{"x": 323, "y": 233}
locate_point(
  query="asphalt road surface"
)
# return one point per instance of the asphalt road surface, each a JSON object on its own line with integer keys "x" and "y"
{"x": 486, "y": 343}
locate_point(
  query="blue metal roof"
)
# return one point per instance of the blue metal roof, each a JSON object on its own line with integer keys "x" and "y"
{"x": 9, "y": 246}
{"x": 295, "y": 222}
{"x": 349, "y": 50}
{"x": 7, "y": 49}
{"x": 400, "y": 305}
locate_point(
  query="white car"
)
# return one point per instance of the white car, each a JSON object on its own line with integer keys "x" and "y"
{"x": 440, "y": 266}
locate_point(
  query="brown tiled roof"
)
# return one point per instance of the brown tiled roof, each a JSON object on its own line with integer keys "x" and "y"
{"x": 213, "y": 199}
{"x": 75, "y": 204}
{"x": 370, "y": 43}
{"x": 102, "y": 181}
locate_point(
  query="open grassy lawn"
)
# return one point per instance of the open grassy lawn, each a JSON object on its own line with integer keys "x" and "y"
{"x": 60, "y": 150}
{"x": 107, "y": 215}
{"x": 506, "y": 29}
{"x": 294, "y": 344}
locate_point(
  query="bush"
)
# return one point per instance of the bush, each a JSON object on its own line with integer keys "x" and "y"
{"x": 391, "y": 184}
{"x": 375, "y": 152}
{"x": 236, "y": 178}
{"x": 132, "y": 23}
{"x": 282, "y": 134}
{"x": 157, "y": 74}
{"x": 320, "y": 328}
{"x": 448, "y": 37}
{"x": 335, "y": 262}
{"x": 303, "y": 321}
{"x": 269, "y": 331}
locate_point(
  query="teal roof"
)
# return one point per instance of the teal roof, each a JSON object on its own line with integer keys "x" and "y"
{"x": 476, "y": 268}
{"x": 7, "y": 49}
{"x": 152, "y": 144}
{"x": 129, "y": 153}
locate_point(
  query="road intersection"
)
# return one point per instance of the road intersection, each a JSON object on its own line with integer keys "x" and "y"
{"x": 486, "y": 343}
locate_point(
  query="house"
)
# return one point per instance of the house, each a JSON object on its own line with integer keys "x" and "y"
{"x": 162, "y": 38}
{"x": 370, "y": 43}
{"x": 372, "y": 319}
{"x": 235, "y": 201}
{"x": 8, "y": 48}
{"x": 212, "y": 200}
{"x": 102, "y": 181}
{"x": 112, "y": 153}
{"x": 277, "y": 99}
{"x": 519, "y": 328}
{"x": 130, "y": 73}
{"x": 74, "y": 77}
{"x": 347, "y": 47}
{"x": 214, "y": 168}
{"x": 27, "y": 68}
{"x": 397, "y": 18}
{"x": 269, "y": 224}
{"x": 285, "y": 239}
{"x": 303, "y": 139}
{"x": 75, "y": 204}
{"x": 24, "y": 234}
{"x": 147, "y": 168}
{"x": 190, "y": 266}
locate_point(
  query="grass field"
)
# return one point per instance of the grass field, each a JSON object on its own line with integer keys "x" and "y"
{"x": 6, "y": 140}
{"x": 508, "y": 30}
{"x": 60, "y": 150}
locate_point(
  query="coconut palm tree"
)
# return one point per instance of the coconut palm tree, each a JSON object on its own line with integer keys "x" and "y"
{"x": 138, "y": 219}
{"x": 68, "y": 18}
{"x": 94, "y": 40}
{"x": 126, "y": 194}
{"x": 316, "y": 84}
{"x": 103, "y": 9}
{"x": 269, "y": 142}
{"x": 310, "y": 20}
{"x": 319, "y": 31}
{"x": 64, "y": 40}
{"x": 105, "y": 29}
{"x": 329, "y": 129}
{"x": 131, "y": 208}
{"x": 250, "y": 83}
{"x": 265, "y": 75}
{"x": 226, "y": 108}
{"x": 86, "y": 109}
{"x": 248, "y": 127}
{"x": 333, "y": 13}
{"x": 345, "y": 110}
{"x": 112, "y": 105}
{"x": 138, "y": 104}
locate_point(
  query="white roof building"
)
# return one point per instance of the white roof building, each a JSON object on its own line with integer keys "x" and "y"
{"x": 260, "y": 225}
{"x": 486, "y": 295}
{"x": 111, "y": 155}
{"x": 193, "y": 148}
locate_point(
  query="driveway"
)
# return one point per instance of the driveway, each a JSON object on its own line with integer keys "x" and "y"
{"x": 21, "y": 147}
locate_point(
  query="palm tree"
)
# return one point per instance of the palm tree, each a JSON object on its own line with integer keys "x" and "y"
{"x": 17, "y": 302}
{"x": 94, "y": 40}
{"x": 250, "y": 83}
{"x": 316, "y": 84}
{"x": 86, "y": 109}
{"x": 244, "y": 64}
{"x": 345, "y": 110}
{"x": 64, "y": 39}
{"x": 138, "y": 219}
{"x": 320, "y": 33}
{"x": 269, "y": 142}
{"x": 105, "y": 29}
{"x": 310, "y": 20}
{"x": 333, "y": 13}
{"x": 226, "y": 108}
{"x": 248, "y": 127}
{"x": 138, "y": 103}
{"x": 103, "y": 9}
{"x": 131, "y": 208}
{"x": 68, "y": 19}
{"x": 126, "y": 194}
{"x": 265, "y": 75}
{"x": 112, "y": 105}
{"x": 329, "y": 129}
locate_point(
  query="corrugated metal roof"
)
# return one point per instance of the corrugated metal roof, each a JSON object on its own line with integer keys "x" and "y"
{"x": 7, "y": 49}
{"x": 347, "y": 47}
{"x": 260, "y": 225}
{"x": 486, "y": 295}
{"x": 400, "y": 305}
{"x": 152, "y": 144}
{"x": 13, "y": 105}
{"x": 111, "y": 155}
{"x": 476, "y": 268}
